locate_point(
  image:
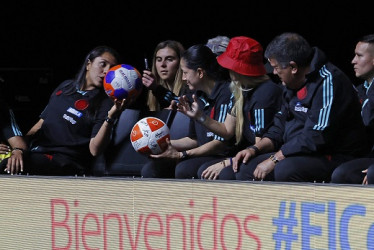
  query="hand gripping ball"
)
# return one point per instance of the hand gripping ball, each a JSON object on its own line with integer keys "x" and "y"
{"x": 148, "y": 136}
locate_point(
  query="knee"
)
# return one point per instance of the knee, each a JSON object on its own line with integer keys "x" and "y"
{"x": 145, "y": 173}
{"x": 245, "y": 172}
{"x": 370, "y": 174}
{"x": 227, "y": 174}
{"x": 180, "y": 171}
{"x": 338, "y": 176}
{"x": 342, "y": 174}
{"x": 148, "y": 171}
{"x": 186, "y": 169}
{"x": 200, "y": 171}
{"x": 286, "y": 172}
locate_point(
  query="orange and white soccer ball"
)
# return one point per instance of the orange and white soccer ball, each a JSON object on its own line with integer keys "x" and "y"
{"x": 148, "y": 136}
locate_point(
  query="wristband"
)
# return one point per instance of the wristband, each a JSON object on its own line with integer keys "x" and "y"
{"x": 20, "y": 149}
{"x": 201, "y": 119}
{"x": 224, "y": 162}
{"x": 184, "y": 155}
{"x": 109, "y": 120}
{"x": 273, "y": 159}
{"x": 257, "y": 151}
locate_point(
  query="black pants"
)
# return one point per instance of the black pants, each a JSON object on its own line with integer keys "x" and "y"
{"x": 54, "y": 165}
{"x": 292, "y": 169}
{"x": 351, "y": 172}
{"x": 226, "y": 174}
{"x": 166, "y": 168}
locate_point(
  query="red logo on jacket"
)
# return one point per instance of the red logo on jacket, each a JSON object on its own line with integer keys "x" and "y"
{"x": 301, "y": 94}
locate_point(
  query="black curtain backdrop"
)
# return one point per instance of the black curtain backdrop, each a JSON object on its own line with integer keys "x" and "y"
{"x": 58, "y": 34}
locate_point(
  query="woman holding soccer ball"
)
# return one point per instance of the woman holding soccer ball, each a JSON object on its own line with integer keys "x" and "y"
{"x": 210, "y": 83}
{"x": 77, "y": 122}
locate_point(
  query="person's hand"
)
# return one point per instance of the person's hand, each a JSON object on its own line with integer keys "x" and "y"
{"x": 15, "y": 162}
{"x": 365, "y": 181}
{"x": 118, "y": 107}
{"x": 193, "y": 111}
{"x": 173, "y": 105}
{"x": 213, "y": 171}
{"x": 263, "y": 169}
{"x": 241, "y": 157}
{"x": 170, "y": 152}
{"x": 149, "y": 80}
{"x": 4, "y": 149}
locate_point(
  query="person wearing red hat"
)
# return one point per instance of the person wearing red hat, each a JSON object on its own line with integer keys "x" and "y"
{"x": 254, "y": 102}
{"x": 319, "y": 125}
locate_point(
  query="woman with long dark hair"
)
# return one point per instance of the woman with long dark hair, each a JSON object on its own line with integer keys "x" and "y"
{"x": 76, "y": 124}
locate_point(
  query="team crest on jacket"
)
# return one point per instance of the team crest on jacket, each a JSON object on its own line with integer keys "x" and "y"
{"x": 300, "y": 108}
{"x": 301, "y": 94}
{"x": 81, "y": 104}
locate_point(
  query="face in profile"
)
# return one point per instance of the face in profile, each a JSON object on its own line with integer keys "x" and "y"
{"x": 363, "y": 61}
{"x": 190, "y": 76}
{"x": 97, "y": 69}
{"x": 285, "y": 74}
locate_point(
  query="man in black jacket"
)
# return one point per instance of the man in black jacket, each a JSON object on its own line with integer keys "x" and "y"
{"x": 319, "y": 125}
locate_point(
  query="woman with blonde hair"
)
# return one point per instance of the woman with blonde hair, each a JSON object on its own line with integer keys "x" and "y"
{"x": 165, "y": 78}
{"x": 254, "y": 102}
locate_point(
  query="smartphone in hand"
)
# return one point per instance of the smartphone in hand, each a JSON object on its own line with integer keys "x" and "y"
{"x": 146, "y": 65}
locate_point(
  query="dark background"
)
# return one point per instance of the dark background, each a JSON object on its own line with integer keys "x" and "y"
{"x": 45, "y": 42}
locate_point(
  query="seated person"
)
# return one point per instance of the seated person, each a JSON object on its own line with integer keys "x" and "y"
{"x": 310, "y": 135}
{"x": 77, "y": 123}
{"x": 354, "y": 172}
{"x": 12, "y": 144}
{"x": 255, "y": 101}
{"x": 184, "y": 156}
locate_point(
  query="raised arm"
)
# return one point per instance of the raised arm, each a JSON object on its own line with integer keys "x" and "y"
{"x": 226, "y": 130}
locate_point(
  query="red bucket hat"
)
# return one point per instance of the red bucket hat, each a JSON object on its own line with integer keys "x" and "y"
{"x": 244, "y": 56}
